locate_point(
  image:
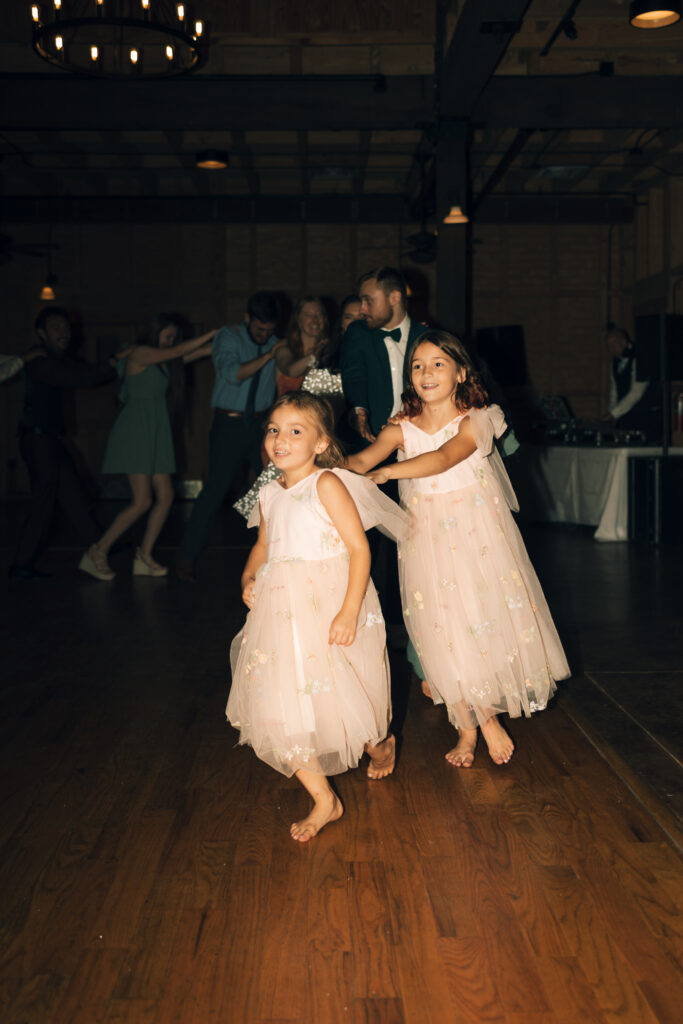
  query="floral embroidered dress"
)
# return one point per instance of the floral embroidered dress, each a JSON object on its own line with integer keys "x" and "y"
{"x": 472, "y": 603}
{"x": 297, "y": 700}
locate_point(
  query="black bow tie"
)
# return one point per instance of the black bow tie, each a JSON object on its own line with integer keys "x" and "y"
{"x": 395, "y": 335}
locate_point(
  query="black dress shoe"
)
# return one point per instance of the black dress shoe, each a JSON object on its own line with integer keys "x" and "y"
{"x": 27, "y": 572}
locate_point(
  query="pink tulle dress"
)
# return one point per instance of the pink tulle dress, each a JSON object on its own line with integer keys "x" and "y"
{"x": 297, "y": 700}
{"x": 472, "y": 603}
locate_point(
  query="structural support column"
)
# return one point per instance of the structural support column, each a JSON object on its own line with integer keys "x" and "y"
{"x": 454, "y": 249}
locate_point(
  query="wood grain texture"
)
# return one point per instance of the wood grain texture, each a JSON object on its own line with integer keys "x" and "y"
{"x": 149, "y": 876}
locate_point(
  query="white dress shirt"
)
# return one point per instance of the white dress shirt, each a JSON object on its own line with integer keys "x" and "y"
{"x": 397, "y": 354}
{"x": 632, "y": 396}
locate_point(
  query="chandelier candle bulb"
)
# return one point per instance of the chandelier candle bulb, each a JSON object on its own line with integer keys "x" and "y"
{"x": 129, "y": 39}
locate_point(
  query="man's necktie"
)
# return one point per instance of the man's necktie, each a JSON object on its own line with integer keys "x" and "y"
{"x": 250, "y": 404}
{"x": 395, "y": 335}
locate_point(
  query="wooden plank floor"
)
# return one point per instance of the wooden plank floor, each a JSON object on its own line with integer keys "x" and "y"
{"x": 148, "y": 876}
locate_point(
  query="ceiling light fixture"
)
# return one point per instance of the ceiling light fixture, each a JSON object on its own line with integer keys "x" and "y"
{"x": 212, "y": 159}
{"x": 654, "y": 14}
{"x": 47, "y": 293}
{"x": 456, "y": 216}
{"x": 66, "y": 34}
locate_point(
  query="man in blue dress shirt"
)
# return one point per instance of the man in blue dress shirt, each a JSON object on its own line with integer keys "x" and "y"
{"x": 243, "y": 393}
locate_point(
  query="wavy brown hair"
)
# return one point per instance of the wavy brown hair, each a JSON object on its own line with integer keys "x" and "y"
{"x": 294, "y": 331}
{"x": 470, "y": 394}
{"x": 320, "y": 411}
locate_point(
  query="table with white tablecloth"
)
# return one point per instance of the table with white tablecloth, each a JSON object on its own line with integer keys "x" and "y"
{"x": 572, "y": 484}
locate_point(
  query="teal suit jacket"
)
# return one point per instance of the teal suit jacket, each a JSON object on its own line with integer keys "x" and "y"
{"x": 366, "y": 373}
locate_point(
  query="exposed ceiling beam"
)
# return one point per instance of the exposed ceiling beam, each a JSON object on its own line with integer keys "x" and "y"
{"x": 363, "y": 153}
{"x": 482, "y": 34}
{"x": 331, "y": 209}
{"x": 506, "y": 161}
{"x": 186, "y": 162}
{"x": 246, "y": 158}
{"x": 582, "y": 101}
{"x": 206, "y": 102}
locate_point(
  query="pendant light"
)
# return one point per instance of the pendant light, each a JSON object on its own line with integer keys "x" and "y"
{"x": 654, "y": 13}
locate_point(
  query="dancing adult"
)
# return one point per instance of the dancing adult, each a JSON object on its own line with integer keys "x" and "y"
{"x": 140, "y": 444}
{"x": 324, "y": 378}
{"x": 374, "y": 374}
{"x": 307, "y": 334}
{"x": 243, "y": 358}
{"x": 374, "y": 351}
{"x": 53, "y": 475}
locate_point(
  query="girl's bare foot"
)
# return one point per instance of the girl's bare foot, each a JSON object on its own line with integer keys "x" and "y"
{"x": 382, "y": 758}
{"x": 499, "y": 743}
{"x": 326, "y": 808}
{"x": 462, "y": 754}
{"x": 425, "y": 688}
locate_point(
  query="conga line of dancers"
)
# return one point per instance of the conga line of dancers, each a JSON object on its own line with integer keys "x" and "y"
{"x": 310, "y": 683}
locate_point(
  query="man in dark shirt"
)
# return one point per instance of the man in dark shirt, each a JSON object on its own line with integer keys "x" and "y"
{"x": 51, "y": 468}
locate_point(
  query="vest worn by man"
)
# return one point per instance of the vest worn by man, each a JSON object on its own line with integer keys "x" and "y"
{"x": 642, "y": 416}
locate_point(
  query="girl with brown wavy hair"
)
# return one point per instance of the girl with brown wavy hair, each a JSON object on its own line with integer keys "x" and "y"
{"x": 472, "y": 603}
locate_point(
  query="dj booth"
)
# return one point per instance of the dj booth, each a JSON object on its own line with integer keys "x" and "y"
{"x": 592, "y": 486}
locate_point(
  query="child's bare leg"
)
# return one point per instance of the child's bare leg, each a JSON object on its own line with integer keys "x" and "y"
{"x": 462, "y": 754}
{"x": 326, "y": 806}
{"x": 382, "y": 758}
{"x": 499, "y": 743}
{"x": 424, "y": 685}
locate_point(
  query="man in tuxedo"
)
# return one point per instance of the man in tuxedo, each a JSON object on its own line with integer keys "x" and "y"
{"x": 374, "y": 376}
{"x": 374, "y": 350}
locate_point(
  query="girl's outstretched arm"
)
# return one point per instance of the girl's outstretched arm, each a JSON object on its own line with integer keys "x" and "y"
{"x": 390, "y": 438}
{"x": 257, "y": 556}
{"x": 449, "y": 454}
{"x": 342, "y": 510}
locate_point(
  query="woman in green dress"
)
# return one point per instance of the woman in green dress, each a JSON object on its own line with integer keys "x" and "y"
{"x": 141, "y": 441}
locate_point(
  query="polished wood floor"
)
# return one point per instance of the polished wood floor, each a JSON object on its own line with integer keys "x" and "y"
{"x": 147, "y": 872}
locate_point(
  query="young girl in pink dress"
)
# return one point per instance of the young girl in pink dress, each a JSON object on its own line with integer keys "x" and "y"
{"x": 310, "y": 683}
{"x": 472, "y": 603}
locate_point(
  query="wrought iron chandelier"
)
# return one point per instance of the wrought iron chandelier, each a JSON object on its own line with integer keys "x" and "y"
{"x": 119, "y": 38}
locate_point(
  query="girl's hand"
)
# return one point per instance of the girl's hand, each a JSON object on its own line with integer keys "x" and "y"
{"x": 248, "y": 592}
{"x": 379, "y": 476}
{"x": 343, "y": 629}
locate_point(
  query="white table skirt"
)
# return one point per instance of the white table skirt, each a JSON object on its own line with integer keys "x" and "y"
{"x": 567, "y": 484}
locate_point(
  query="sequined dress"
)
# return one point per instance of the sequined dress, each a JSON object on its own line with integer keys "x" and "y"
{"x": 297, "y": 700}
{"x": 472, "y": 603}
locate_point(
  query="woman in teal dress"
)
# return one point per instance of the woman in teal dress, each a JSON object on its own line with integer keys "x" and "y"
{"x": 141, "y": 441}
